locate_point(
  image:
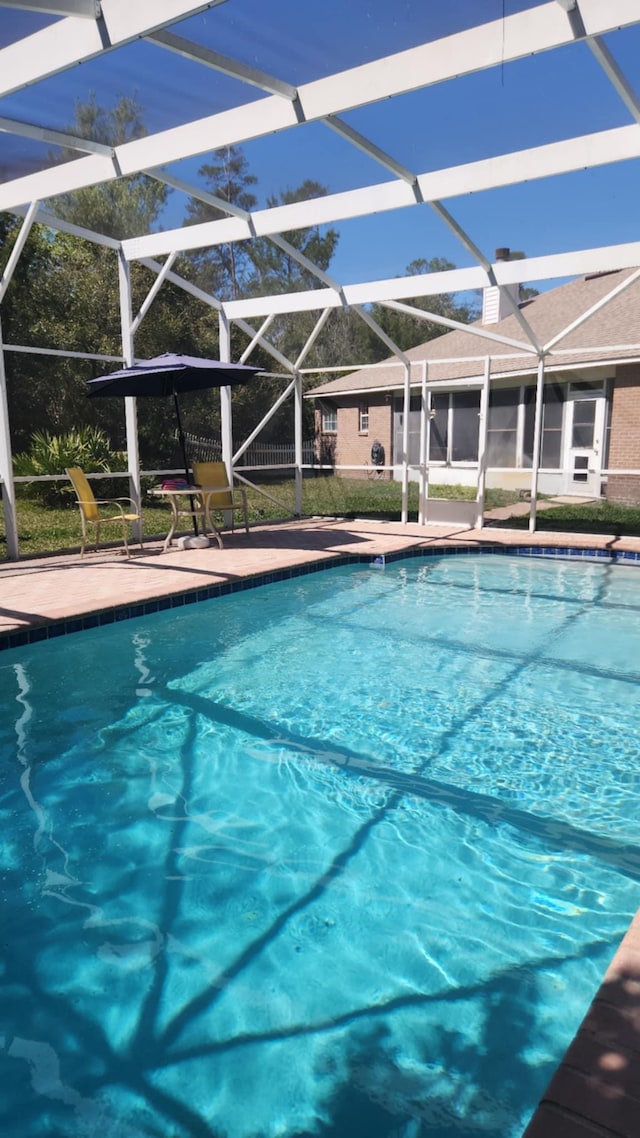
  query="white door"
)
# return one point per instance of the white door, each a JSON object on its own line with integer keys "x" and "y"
{"x": 584, "y": 444}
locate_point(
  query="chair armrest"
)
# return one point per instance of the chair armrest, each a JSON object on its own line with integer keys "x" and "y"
{"x": 116, "y": 502}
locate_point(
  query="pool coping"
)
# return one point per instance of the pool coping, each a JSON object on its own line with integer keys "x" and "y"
{"x": 595, "y": 1091}
{"x": 48, "y": 628}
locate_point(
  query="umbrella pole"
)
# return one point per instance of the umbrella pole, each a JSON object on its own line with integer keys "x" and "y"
{"x": 183, "y": 448}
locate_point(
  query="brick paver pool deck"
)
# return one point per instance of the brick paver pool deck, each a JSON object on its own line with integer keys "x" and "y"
{"x": 595, "y": 1092}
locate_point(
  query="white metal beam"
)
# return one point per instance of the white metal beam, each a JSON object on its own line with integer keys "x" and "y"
{"x": 186, "y": 286}
{"x": 246, "y": 217}
{"x": 615, "y": 75}
{"x": 52, "y": 222}
{"x": 19, "y": 245}
{"x": 585, "y": 152}
{"x": 605, "y": 259}
{"x": 68, "y": 42}
{"x": 491, "y": 45}
{"x": 57, "y": 137}
{"x": 6, "y": 467}
{"x": 223, "y": 63}
{"x": 262, "y": 331}
{"x": 381, "y": 334}
{"x": 83, "y": 9}
{"x": 320, "y": 323}
{"x": 153, "y": 292}
{"x": 251, "y": 332}
{"x": 457, "y": 325}
{"x": 370, "y": 149}
{"x": 472, "y": 248}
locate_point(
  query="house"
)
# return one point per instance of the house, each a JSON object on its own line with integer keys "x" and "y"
{"x": 589, "y": 332}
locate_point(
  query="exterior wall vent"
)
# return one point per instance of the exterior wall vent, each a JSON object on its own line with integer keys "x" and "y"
{"x": 495, "y": 306}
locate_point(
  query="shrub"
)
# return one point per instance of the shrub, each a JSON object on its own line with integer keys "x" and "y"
{"x": 87, "y": 447}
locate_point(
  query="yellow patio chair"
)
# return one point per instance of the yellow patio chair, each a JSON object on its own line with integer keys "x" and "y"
{"x": 91, "y": 514}
{"x": 209, "y": 475}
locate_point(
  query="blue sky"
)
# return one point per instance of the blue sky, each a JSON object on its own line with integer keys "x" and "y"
{"x": 527, "y": 103}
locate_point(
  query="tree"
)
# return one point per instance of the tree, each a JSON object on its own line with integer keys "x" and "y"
{"x": 408, "y": 331}
{"x": 277, "y": 271}
{"x": 123, "y": 207}
{"x": 223, "y": 269}
{"x": 65, "y": 295}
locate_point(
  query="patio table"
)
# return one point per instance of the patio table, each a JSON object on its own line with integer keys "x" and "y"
{"x": 189, "y": 501}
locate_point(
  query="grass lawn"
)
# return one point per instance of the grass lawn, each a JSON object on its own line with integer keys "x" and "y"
{"x": 594, "y": 517}
{"x": 46, "y": 530}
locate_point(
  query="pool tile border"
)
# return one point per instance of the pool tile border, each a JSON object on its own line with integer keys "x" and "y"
{"x": 114, "y": 614}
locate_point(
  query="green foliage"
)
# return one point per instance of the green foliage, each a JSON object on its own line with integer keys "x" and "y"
{"x": 223, "y": 269}
{"x": 124, "y": 207}
{"x": 408, "y": 331}
{"x": 51, "y": 454}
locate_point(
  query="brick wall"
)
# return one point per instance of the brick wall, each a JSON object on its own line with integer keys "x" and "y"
{"x": 624, "y": 449}
{"x": 353, "y": 447}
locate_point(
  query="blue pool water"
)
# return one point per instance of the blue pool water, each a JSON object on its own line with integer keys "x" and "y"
{"x": 344, "y": 855}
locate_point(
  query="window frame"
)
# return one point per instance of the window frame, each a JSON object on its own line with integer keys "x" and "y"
{"x": 327, "y": 413}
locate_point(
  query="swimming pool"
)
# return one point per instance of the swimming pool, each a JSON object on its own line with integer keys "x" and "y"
{"x": 344, "y": 855}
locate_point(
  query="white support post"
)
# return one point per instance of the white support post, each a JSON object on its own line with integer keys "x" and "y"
{"x": 405, "y": 444}
{"x": 537, "y": 444}
{"x": 226, "y": 428}
{"x": 483, "y": 427}
{"x": 130, "y": 407}
{"x": 298, "y": 441}
{"x": 425, "y": 440}
{"x": 6, "y": 467}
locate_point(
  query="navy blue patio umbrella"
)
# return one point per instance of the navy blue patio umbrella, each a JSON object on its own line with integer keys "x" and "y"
{"x": 171, "y": 374}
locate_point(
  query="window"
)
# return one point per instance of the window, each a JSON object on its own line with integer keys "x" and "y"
{"x": 502, "y": 427}
{"x": 584, "y": 422}
{"x": 439, "y": 428}
{"x": 552, "y": 416}
{"x": 363, "y": 418}
{"x": 329, "y": 419}
{"x": 466, "y": 408}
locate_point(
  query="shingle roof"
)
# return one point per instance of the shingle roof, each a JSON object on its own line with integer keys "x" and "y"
{"x": 616, "y": 324}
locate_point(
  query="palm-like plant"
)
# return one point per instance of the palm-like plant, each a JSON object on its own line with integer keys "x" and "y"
{"x": 48, "y": 454}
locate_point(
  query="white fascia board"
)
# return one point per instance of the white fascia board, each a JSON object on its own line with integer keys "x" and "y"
{"x": 524, "y": 34}
{"x": 603, "y": 147}
{"x": 71, "y": 41}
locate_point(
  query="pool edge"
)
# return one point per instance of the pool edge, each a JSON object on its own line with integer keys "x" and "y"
{"x": 48, "y": 628}
{"x": 595, "y": 1090}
